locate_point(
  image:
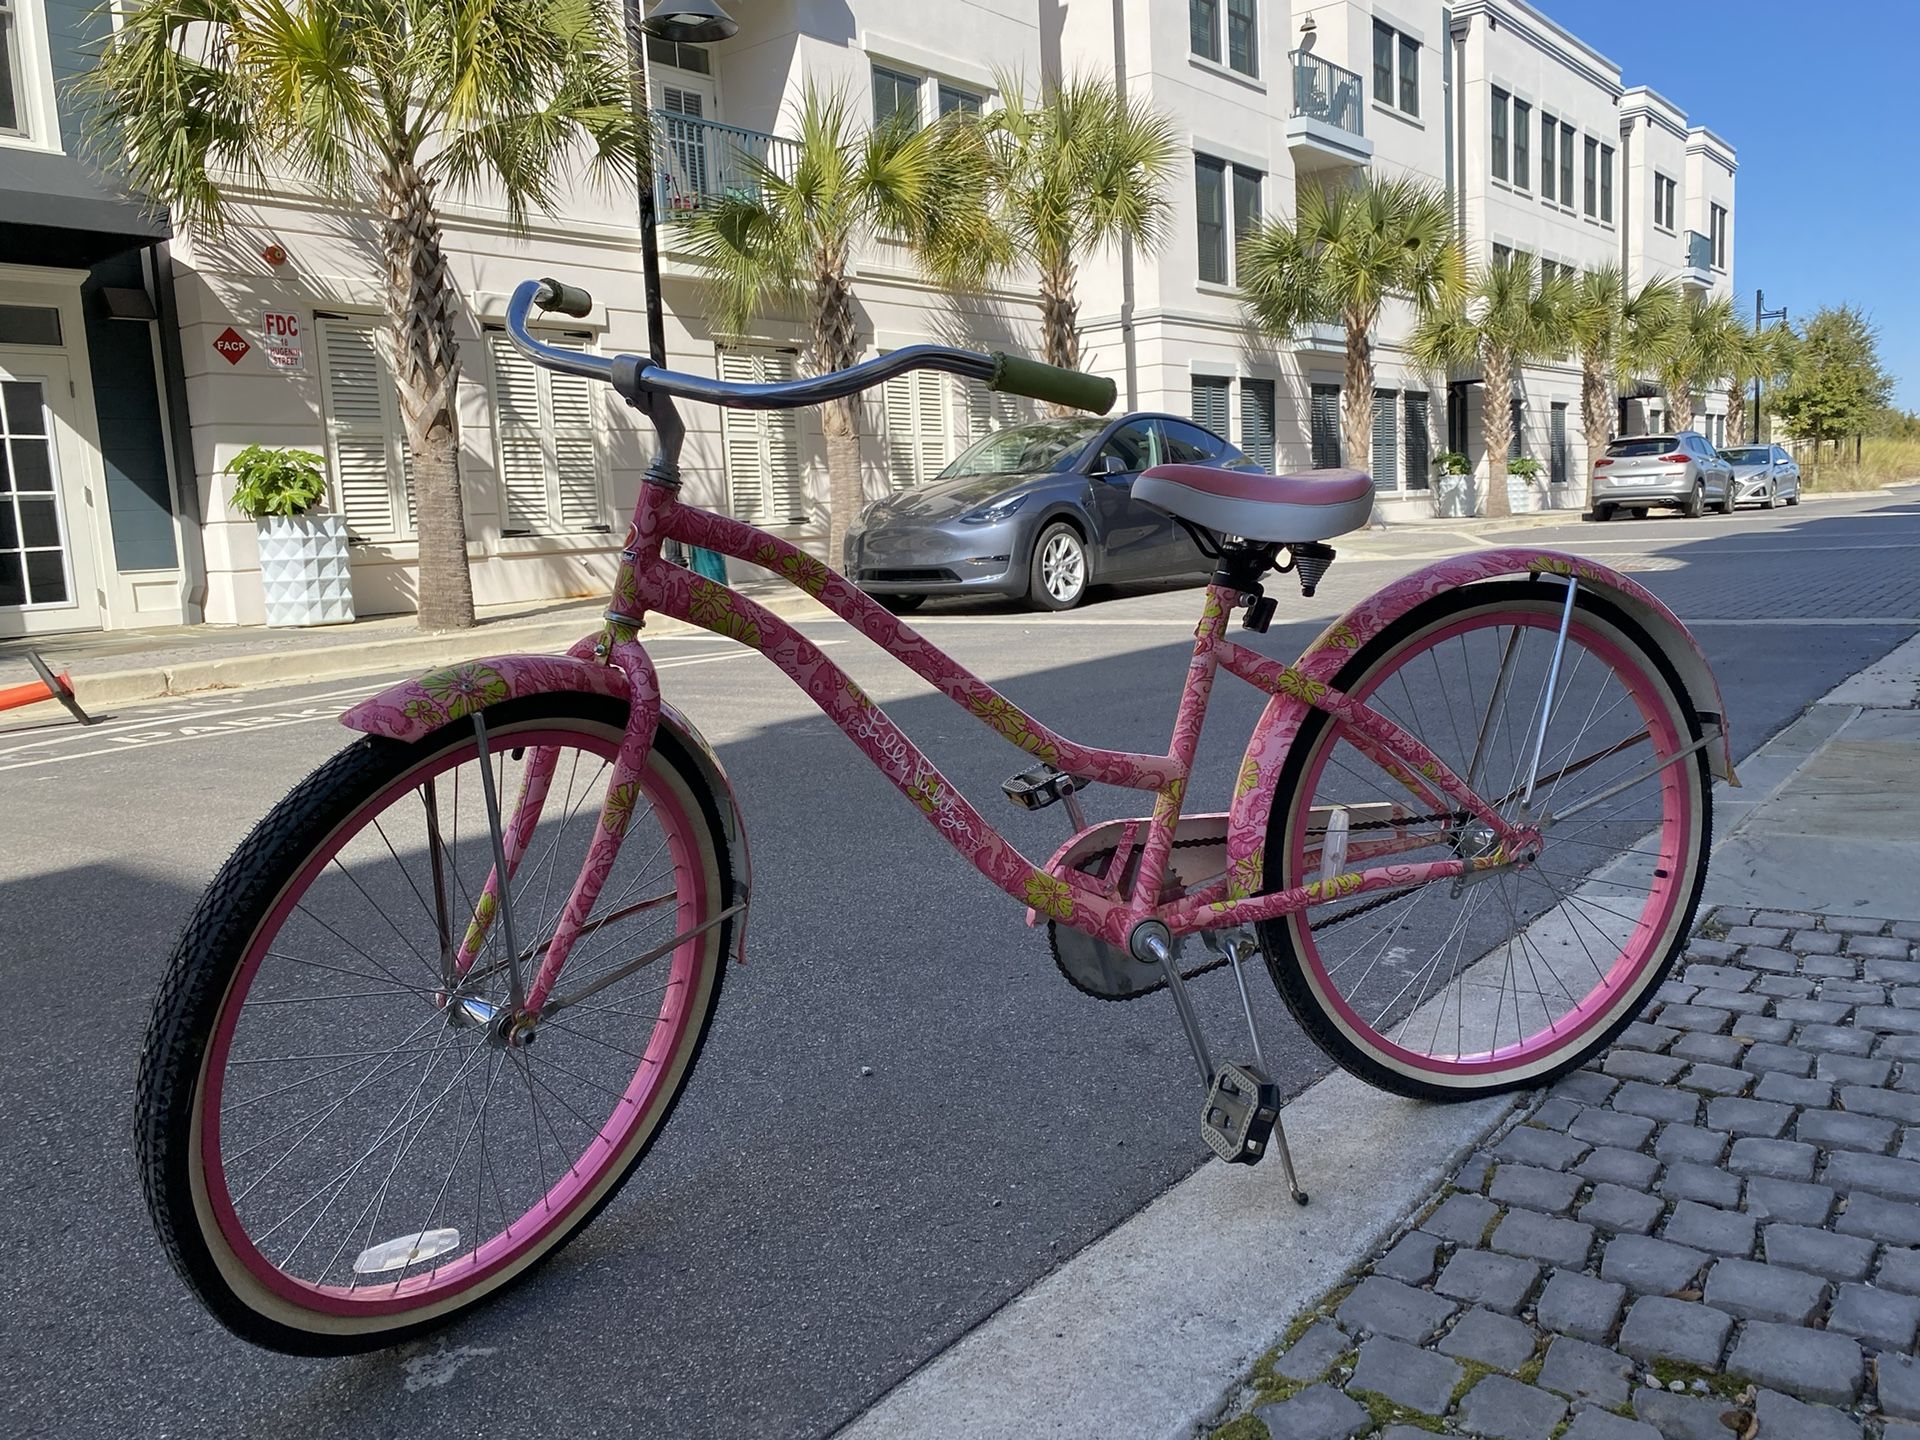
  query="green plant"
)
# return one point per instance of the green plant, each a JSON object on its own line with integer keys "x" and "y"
{"x": 1503, "y": 321}
{"x": 384, "y": 109}
{"x": 1525, "y": 466}
{"x": 1705, "y": 345}
{"x": 1452, "y": 462}
{"x": 1353, "y": 247}
{"x": 1620, "y": 334}
{"x": 276, "y": 482}
{"x": 1837, "y": 382}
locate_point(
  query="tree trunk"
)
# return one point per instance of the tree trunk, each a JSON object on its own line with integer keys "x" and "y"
{"x": 836, "y": 345}
{"x": 1356, "y": 399}
{"x": 1496, "y": 425}
{"x": 426, "y": 367}
{"x": 1060, "y": 319}
{"x": 1736, "y": 416}
{"x": 1680, "y": 407}
{"x": 1596, "y": 414}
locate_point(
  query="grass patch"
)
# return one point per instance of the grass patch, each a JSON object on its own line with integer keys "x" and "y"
{"x": 1883, "y": 460}
{"x": 1384, "y": 1412}
{"x": 1247, "y": 1427}
{"x": 1472, "y": 1372}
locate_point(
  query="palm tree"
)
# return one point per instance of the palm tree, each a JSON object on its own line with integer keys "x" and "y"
{"x": 1701, "y": 348}
{"x": 789, "y": 239}
{"x": 1078, "y": 168}
{"x": 1505, "y": 321}
{"x": 382, "y": 106}
{"x": 1350, "y": 249}
{"x": 1620, "y": 334}
{"x": 1761, "y": 355}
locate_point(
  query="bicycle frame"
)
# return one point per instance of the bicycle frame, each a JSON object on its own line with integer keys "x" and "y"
{"x": 647, "y": 582}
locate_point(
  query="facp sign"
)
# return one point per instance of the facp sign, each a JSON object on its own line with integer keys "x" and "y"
{"x": 280, "y": 336}
{"x": 232, "y": 345}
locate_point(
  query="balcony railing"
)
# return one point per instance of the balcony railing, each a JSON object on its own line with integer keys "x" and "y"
{"x": 700, "y": 161}
{"x": 1323, "y": 91}
{"x": 1699, "y": 251}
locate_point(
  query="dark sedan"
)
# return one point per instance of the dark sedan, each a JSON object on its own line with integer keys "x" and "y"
{"x": 1041, "y": 511}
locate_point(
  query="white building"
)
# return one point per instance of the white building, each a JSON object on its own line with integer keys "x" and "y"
{"x": 1528, "y": 129}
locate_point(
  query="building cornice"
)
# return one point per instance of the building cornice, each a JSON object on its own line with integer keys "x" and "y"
{"x": 1544, "y": 35}
{"x": 1702, "y": 141}
{"x": 1645, "y": 101}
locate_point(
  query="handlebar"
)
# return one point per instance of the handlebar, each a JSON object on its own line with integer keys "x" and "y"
{"x": 632, "y": 374}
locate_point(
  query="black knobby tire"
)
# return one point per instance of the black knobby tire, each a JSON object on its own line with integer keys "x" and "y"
{"x": 222, "y": 928}
{"x": 1276, "y": 941}
{"x": 1037, "y": 591}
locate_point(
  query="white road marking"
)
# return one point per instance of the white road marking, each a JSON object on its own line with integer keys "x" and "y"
{"x": 172, "y": 727}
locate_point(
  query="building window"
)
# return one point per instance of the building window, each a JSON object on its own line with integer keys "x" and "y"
{"x": 1593, "y": 177}
{"x": 1717, "y": 219}
{"x": 1663, "y": 197}
{"x": 1606, "y": 183}
{"x": 1203, "y": 25}
{"x": 1559, "y": 467}
{"x": 953, "y": 98}
{"x": 1386, "y": 447}
{"x": 548, "y": 444}
{"x": 1500, "y": 104}
{"x": 895, "y": 94}
{"x": 691, "y": 58}
{"x": 16, "y": 104}
{"x": 914, "y": 407}
{"x": 1212, "y": 179}
{"x": 1566, "y": 165}
{"x": 1522, "y": 144}
{"x": 1257, "y": 427}
{"x": 371, "y": 472}
{"x": 1548, "y": 166}
{"x": 33, "y": 547}
{"x": 1212, "y": 403}
{"x": 762, "y": 447}
{"x": 1419, "y": 440}
{"x": 1243, "y": 37}
{"x": 1323, "y": 419}
{"x": 1501, "y": 253}
{"x": 1387, "y": 43}
{"x": 29, "y": 325}
{"x": 1517, "y": 415}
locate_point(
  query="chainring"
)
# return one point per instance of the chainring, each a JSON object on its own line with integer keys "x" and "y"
{"x": 1104, "y": 971}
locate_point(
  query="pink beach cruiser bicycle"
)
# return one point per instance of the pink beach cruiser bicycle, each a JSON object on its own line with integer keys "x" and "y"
{"x": 437, "y": 1006}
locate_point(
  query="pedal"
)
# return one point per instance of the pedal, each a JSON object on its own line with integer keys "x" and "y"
{"x": 1238, "y": 1117}
{"x": 1039, "y": 787}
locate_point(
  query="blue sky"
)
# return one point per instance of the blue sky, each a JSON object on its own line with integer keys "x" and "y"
{"x": 1827, "y": 207}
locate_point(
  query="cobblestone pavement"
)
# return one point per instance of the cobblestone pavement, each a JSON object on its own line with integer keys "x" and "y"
{"x": 1709, "y": 1232}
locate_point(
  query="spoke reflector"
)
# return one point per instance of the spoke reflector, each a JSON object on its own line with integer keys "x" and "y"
{"x": 405, "y": 1250}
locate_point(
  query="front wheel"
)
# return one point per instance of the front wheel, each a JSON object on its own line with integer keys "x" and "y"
{"x": 1726, "y": 499}
{"x": 340, "y": 1148}
{"x": 1059, "y": 571}
{"x": 1773, "y": 496}
{"x": 1444, "y": 991}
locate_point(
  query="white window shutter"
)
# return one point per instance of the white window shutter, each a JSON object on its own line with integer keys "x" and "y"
{"x": 745, "y": 449}
{"x": 516, "y": 409}
{"x": 930, "y": 396}
{"x": 897, "y": 424}
{"x": 576, "y": 450}
{"x": 787, "y": 493}
{"x": 549, "y": 445}
{"x": 363, "y": 431}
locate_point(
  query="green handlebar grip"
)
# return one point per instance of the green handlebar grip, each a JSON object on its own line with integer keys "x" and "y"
{"x": 1017, "y": 376}
{"x": 567, "y": 299}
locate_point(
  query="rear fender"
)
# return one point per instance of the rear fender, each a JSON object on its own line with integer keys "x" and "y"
{"x": 415, "y": 708}
{"x": 1323, "y": 660}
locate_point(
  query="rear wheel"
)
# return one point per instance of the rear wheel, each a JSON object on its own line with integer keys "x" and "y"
{"x": 1059, "y": 570}
{"x": 1448, "y": 991}
{"x": 1602, "y": 513}
{"x": 1696, "y": 505}
{"x": 336, "y": 1154}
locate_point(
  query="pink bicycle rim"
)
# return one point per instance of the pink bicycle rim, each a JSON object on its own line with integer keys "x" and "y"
{"x": 1656, "y": 913}
{"x": 556, "y": 1207}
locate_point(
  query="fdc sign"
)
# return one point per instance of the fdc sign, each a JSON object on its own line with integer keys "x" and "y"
{"x": 280, "y": 338}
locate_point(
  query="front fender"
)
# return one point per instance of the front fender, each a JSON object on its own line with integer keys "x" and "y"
{"x": 1322, "y": 661}
{"x": 415, "y": 708}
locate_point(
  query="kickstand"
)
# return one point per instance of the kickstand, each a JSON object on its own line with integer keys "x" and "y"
{"x": 1235, "y": 948}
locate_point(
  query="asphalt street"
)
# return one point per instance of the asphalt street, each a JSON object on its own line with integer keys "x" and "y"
{"x": 805, "y": 1233}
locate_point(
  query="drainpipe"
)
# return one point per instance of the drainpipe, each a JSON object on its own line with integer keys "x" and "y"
{"x": 1446, "y": 113}
{"x": 1127, "y": 347}
{"x": 173, "y": 394}
{"x": 1456, "y": 150}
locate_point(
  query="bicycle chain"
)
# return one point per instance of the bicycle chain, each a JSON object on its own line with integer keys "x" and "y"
{"x": 1053, "y": 941}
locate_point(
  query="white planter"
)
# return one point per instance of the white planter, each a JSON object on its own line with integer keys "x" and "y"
{"x": 304, "y": 570}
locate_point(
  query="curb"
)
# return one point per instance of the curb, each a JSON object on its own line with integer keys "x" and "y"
{"x": 295, "y": 665}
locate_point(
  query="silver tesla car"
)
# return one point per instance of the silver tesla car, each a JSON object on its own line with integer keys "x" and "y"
{"x": 1042, "y": 511}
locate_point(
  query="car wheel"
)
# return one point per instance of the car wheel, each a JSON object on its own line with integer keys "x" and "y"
{"x": 1794, "y": 499}
{"x": 1696, "y": 505}
{"x": 1726, "y": 500}
{"x": 901, "y": 604}
{"x": 1773, "y": 497}
{"x": 1058, "y": 579}
{"x": 1601, "y": 514}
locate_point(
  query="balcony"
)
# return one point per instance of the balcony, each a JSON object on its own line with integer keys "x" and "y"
{"x": 1320, "y": 337}
{"x": 1699, "y": 268}
{"x": 1326, "y": 129}
{"x": 700, "y": 161}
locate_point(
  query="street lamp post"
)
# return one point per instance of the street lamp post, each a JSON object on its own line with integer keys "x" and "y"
{"x": 1760, "y": 317}
{"x": 692, "y": 22}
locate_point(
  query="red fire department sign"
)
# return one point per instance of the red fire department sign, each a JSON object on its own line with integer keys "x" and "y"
{"x": 232, "y": 344}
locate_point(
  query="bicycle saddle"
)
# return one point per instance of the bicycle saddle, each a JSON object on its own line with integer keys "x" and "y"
{"x": 1313, "y": 505}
